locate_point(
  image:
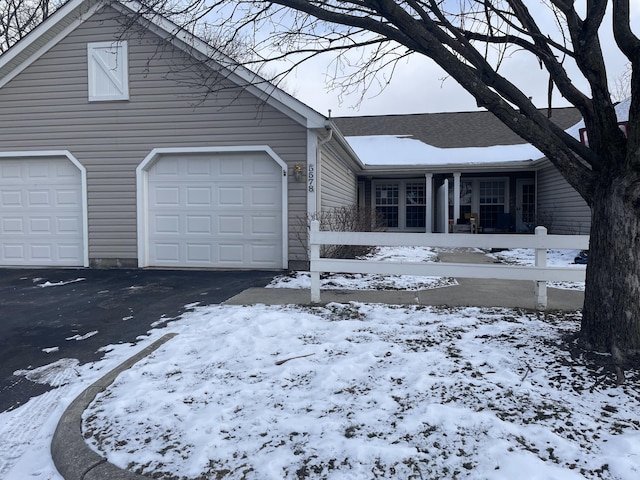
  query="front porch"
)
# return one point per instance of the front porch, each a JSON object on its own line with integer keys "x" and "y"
{"x": 455, "y": 202}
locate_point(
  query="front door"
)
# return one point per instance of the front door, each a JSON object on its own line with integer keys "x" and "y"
{"x": 525, "y": 205}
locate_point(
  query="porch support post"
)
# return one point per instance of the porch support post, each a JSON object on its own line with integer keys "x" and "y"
{"x": 456, "y": 197}
{"x": 428, "y": 221}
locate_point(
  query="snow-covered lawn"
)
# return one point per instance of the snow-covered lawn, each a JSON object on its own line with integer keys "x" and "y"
{"x": 555, "y": 258}
{"x": 369, "y": 391}
{"x": 359, "y": 281}
{"x": 376, "y": 392}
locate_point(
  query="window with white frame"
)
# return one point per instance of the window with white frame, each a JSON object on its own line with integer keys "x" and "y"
{"x": 492, "y": 201}
{"x": 401, "y": 203}
{"x": 415, "y": 205}
{"x": 487, "y": 197}
{"x": 108, "y": 71}
{"x": 387, "y": 200}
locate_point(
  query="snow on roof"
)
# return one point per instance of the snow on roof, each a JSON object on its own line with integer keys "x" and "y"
{"x": 404, "y": 150}
{"x": 390, "y": 150}
{"x": 622, "y": 112}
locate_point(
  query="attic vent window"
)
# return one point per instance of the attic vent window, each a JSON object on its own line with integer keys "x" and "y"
{"x": 108, "y": 71}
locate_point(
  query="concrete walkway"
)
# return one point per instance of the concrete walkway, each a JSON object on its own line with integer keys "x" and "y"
{"x": 469, "y": 292}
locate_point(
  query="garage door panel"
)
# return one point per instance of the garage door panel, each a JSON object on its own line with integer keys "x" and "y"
{"x": 262, "y": 171}
{"x": 231, "y": 254}
{"x": 41, "y": 217}
{"x": 262, "y": 253}
{"x": 12, "y": 225}
{"x": 198, "y": 224}
{"x": 231, "y": 225}
{"x": 69, "y": 225}
{"x": 199, "y": 253}
{"x": 264, "y": 196}
{"x": 41, "y": 225}
{"x": 68, "y": 198}
{"x": 229, "y": 167}
{"x": 37, "y": 198}
{"x": 165, "y": 196}
{"x": 208, "y": 213}
{"x": 41, "y": 252}
{"x": 165, "y": 224}
{"x": 198, "y": 196}
{"x": 13, "y": 251}
{"x": 69, "y": 252}
{"x": 198, "y": 167}
{"x": 11, "y": 199}
{"x": 167, "y": 252}
{"x": 264, "y": 226}
{"x": 231, "y": 196}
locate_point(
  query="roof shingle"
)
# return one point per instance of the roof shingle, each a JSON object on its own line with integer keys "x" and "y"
{"x": 447, "y": 130}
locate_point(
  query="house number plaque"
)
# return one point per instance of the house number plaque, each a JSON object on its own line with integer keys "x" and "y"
{"x": 311, "y": 176}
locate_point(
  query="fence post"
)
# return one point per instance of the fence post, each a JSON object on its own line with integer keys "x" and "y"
{"x": 541, "y": 261}
{"x": 314, "y": 256}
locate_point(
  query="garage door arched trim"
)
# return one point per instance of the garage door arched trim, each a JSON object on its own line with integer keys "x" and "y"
{"x": 57, "y": 154}
{"x": 144, "y": 194}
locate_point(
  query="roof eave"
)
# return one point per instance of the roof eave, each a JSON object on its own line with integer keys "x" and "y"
{"x": 339, "y": 138}
{"x": 517, "y": 165}
{"x": 76, "y": 10}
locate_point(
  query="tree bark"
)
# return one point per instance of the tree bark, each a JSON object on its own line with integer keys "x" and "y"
{"x": 611, "y": 314}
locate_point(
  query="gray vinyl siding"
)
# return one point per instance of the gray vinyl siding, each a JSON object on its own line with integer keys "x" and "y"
{"x": 559, "y": 207}
{"x": 339, "y": 183}
{"x": 46, "y": 107}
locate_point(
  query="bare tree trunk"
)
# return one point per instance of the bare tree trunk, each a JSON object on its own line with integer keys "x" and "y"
{"x": 611, "y": 315}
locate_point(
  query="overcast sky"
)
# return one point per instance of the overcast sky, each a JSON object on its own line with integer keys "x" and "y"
{"x": 420, "y": 86}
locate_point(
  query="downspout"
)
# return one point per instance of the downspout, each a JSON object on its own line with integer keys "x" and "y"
{"x": 321, "y": 142}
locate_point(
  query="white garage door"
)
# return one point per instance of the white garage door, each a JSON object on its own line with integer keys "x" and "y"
{"x": 215, "y": 210}
{"x": 40, "y": 212}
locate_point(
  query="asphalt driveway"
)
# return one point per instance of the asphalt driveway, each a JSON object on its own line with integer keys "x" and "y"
{"x": 47, "y": 315}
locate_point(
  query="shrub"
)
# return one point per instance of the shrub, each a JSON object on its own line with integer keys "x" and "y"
{"x": 342, "y": 219}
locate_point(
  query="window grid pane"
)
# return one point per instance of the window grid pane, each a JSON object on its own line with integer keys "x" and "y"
{"x": 528, "y": 203}
{"x": 415, "y": 209}
{"x": 489, "y": 215}
{"x": 387, "y": 197}
{"x": 492, "y": 195}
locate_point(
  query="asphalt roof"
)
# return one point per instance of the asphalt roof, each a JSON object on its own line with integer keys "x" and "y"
{"x": 449, "y": 129}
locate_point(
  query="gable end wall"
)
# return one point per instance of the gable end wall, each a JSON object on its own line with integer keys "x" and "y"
{"x": 46, "y": 107}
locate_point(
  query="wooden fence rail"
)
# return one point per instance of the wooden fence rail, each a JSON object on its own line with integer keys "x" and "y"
{"x": 540, "y": 273}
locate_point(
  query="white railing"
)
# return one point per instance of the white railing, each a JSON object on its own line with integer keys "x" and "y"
{"x": 540, "y": 273}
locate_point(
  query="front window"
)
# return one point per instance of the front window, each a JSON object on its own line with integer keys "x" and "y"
{"x": 415, "y": 205}
{"x": 492, "y": 202}
{"x": 484, "y": 198}
{"x": 403, "y": 204}
{"x": 387, "y": 202}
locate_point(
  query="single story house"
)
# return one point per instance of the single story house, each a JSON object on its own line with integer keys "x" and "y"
{"x": 425, "y": 172}
{"x": 135, "y": 144}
